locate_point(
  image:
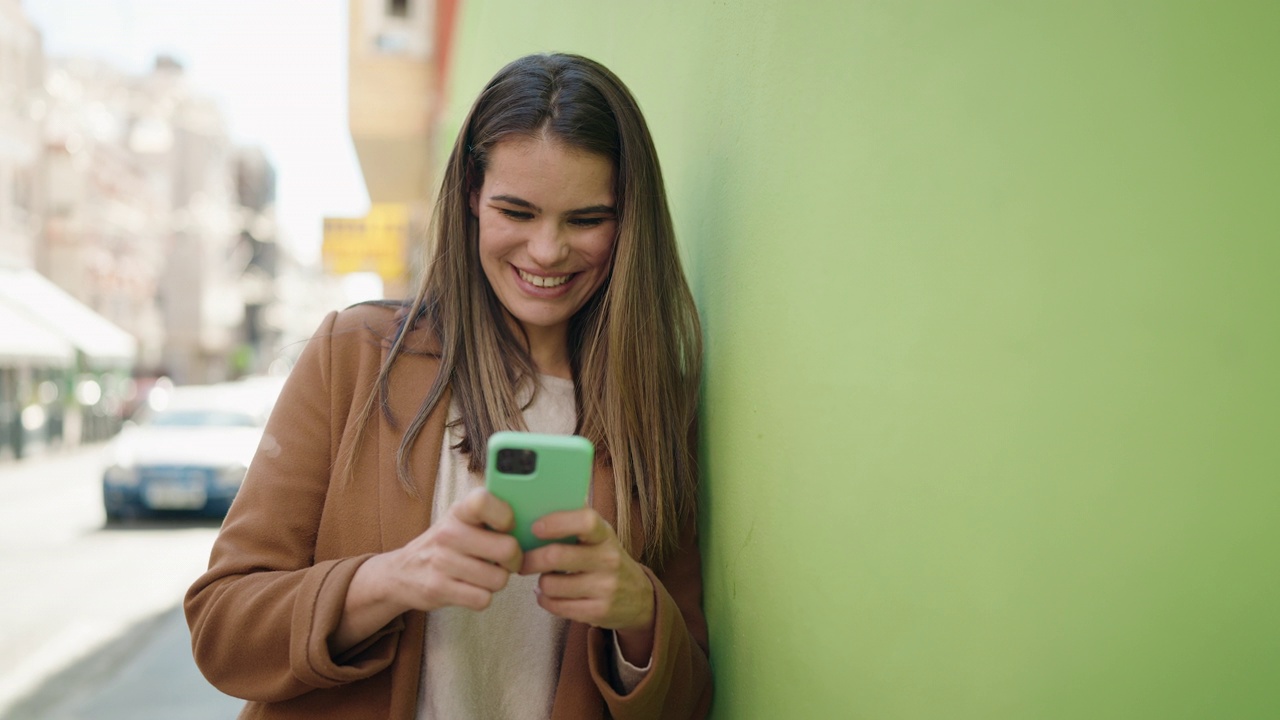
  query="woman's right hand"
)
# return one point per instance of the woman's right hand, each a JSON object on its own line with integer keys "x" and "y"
{"x": 461, "y": 560}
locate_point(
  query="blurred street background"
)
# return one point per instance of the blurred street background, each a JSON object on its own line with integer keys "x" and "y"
{"x": 180, "y": 204}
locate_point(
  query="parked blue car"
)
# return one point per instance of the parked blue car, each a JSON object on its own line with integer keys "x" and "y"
{"x": 186, "y": 451}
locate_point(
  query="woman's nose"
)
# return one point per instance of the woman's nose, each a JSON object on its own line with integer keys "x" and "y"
{"x": 547, "y": 245}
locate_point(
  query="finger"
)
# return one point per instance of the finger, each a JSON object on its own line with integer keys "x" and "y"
{"x": 591, "y": 612}
{"x": 455, "y": 593}
{"x": 585, "y": 524}
{"x": 600, "y": 611}
{"x": 495, "y": 547}
{"x": 562, "y": 557}
{"x": 577, "y": 586}
{"x": 474, "y": 571}
{"x": 482, "y": 508}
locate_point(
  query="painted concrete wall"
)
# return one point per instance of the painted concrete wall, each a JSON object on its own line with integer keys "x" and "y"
{"x": 993, "y": 329}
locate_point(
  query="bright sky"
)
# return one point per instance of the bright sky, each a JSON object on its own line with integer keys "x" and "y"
{"x": 278, "y": 68}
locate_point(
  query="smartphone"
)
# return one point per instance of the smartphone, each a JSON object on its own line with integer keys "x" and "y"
{"x": 536, "y": 475}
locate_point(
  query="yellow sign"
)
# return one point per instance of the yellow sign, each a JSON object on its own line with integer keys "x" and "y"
{"x": 373, "y": 243}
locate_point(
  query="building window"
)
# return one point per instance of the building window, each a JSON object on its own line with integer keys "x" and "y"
{"x": 398, "y": 8}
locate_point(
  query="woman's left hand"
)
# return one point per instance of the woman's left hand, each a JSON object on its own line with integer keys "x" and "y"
{"x": 595, "y": 581}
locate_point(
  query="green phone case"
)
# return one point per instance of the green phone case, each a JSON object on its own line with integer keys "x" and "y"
{"x": 558, "y": 482}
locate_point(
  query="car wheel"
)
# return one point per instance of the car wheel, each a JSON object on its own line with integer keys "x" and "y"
{"x": 121, "y": 515}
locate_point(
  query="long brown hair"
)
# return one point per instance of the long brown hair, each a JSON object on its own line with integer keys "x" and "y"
{"x": 635, "y": 348}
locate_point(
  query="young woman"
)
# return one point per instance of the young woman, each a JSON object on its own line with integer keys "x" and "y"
{"x": 364, "y": 572}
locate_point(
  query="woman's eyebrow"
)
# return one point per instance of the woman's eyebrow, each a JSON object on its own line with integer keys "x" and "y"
{"x": 593, "y": 210}
{"x": 513, "y": 200}
{"x": 521, "y": 202}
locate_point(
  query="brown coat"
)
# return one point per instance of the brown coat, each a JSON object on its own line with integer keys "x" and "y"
{"x": 278, "y": 575}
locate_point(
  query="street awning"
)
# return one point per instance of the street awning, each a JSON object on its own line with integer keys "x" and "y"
{"x": 49, "y": 306}
{"x": 23, "y": 342}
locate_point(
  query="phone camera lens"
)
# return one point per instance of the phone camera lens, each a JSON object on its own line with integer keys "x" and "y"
{"x": 517, "y": 461}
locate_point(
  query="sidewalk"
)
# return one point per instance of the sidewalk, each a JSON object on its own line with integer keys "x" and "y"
{"x": 146, "y": 674}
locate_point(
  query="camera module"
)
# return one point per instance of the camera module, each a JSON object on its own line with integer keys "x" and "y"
{"x": 517, "y": 461}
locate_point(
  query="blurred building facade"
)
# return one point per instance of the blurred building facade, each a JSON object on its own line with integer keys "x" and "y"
{"x": 105, "y": 217}
{"x": 397, "y": 64}
{"x": 156, "y": 219}
{"x": 136, "y": 240}
{"x": 61, "y": 364}
{"x": 259, "y": 247}
{"x": 29, "y": 352}
{"x": 21, "y": 80}
{"x": 200, "y": 292}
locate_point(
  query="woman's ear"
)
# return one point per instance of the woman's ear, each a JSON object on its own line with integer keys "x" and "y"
{"x": 474, "y": 202}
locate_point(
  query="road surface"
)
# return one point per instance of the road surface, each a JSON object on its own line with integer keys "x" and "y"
{"x": 89, "y": 615}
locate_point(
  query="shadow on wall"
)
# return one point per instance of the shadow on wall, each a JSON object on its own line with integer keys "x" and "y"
{"x": 707, "y": 246}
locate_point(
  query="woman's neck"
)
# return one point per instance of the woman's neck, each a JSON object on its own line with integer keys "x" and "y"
{"x": 549, "y": 348}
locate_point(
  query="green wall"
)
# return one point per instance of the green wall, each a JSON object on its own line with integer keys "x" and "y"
{"x": 993, "y": 335}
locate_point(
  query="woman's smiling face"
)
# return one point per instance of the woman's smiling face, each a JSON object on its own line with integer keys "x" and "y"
{"x": 547, "y": 227}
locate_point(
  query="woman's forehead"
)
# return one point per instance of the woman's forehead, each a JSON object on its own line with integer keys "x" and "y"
{"x": 540, "y": 170}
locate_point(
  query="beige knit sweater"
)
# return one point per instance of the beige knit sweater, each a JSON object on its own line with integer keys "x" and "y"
{"x": 502, "y": 663}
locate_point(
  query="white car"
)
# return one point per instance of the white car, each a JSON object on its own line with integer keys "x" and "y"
{"x": 187, "y": 450}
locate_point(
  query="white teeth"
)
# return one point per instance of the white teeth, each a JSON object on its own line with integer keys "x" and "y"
{"x": 544, "y": 282}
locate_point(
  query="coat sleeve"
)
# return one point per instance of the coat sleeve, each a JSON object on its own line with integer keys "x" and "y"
{"x": 678, "y": 684}
{"x": 261, "y": 616}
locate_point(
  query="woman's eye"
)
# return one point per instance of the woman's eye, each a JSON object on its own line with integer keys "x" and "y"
{"x": 516, "y": 214}
{"x": 586, "y": 222}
